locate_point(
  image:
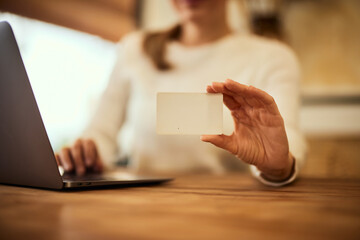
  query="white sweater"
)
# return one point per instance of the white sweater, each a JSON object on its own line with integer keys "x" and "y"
{"x": 124, "y": 123}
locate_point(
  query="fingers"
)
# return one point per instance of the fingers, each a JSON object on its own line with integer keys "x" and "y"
{"x": 78, "y": 157}
{"x": 92, "y": 158}
{"x": 221, "y": 141}
{"x": 90, "y": 153}
{"x": 209, "y": 89}
{"x": 220, "y": 87}
{"x": 249, "y": 91}
{"x": 231, "y": 103}
{"x": 82, "y": 156}
{"x": 246, "y": 94}
{"x": 98, "y": 163}
{"x": 98, "y": 167}
{"x": 65, "y": 159}
{"x": 243, "y": 96}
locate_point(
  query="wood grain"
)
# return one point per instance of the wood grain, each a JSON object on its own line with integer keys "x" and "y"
{"x": 191, "y": 207}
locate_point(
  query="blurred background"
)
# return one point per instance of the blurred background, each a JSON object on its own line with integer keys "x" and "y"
{"x": 68, "y": 47}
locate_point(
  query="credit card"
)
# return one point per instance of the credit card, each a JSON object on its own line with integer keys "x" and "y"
{"x": 189, "y": 113}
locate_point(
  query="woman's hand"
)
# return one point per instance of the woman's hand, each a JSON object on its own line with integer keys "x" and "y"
{"x": 82, "y": 156}
{"x": 259, "y": 137}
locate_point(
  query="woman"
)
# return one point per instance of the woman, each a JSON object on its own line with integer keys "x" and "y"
{"x": 192, "y": 57}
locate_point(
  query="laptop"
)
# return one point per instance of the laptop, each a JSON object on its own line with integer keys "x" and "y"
{"x": 26, "y": 156}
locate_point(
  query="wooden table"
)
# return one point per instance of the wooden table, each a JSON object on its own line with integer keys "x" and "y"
{"x": 191, "y": 207}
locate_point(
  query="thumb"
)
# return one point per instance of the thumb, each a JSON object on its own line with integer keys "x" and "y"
{"x": 221, "y": 141}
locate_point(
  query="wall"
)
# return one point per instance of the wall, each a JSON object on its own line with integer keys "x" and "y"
{"x": 110, "y": 19}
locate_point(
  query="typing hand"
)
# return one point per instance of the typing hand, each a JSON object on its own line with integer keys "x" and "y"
{"x": 259, "y": 137}
{"x": 82, "y": 156}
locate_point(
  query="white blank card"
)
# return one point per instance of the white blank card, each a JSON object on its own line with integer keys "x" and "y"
{"x": 189, "y": 113}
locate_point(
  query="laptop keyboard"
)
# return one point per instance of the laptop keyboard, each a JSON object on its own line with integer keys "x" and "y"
{"x": 86, "y": 177}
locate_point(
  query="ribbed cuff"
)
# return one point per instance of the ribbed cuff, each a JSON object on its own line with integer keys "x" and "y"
{"x": 257, "y": 174}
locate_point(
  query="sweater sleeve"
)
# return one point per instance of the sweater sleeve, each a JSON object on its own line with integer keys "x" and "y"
{"x": 109, "y": 115}
{"x": 280, "y": 77}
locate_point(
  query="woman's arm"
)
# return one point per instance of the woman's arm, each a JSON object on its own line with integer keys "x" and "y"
{"x": 98, "y": 141}
{"x": 109, "y": 115}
